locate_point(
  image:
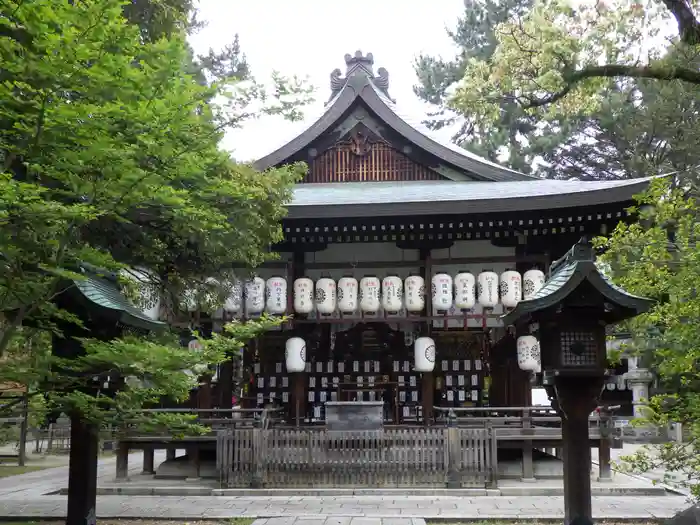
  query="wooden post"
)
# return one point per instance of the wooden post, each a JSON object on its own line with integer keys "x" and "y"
{"x": 575, "y": 399}
{"x": 298, "y": 397}
{"x": 148, "y": 461}
{"x": 454, "y": 453}
{"x": 82, "y": 471}
{"x": 194, "y": 462}
{"x": 170, "y": 454}
{"x": 122, "y": 461}
{"x": 427, "y": 378}
{"x": 605, "y": 427}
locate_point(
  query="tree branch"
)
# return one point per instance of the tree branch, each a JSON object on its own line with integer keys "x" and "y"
{"x": 688, "y": 24}
{"x": 692, "y": 76}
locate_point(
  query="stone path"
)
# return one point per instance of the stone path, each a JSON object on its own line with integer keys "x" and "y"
{"x": 153, "y": 507}
{"x": 24, "y": 496}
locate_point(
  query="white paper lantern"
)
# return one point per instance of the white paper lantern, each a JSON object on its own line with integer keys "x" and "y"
{"x": 392, "y": 294}
{"x": 234, "y": 301}
{"x": 465, "y": 291}
{"x": 528, "y": 348}
{"x": 442, "y": 292}
{"x": 510, "y": 288}
{"x": 148, "y": 300}
{"x": 189, "y": 300}
{"x": 533, "y": 280}
{"x": 369, "y": 294}
{"x": 276, "y": 295}
{"x": 347, "y": 295}
{"x": 255, "y": 295}
{"x": 424, "y": 354}
{"x": 325, "y": 296}
{"x": 295, "y": 354}
{"x": 415, "y": 293}
{"x": 488, "y": 289}
{"x": 303, "y": 295}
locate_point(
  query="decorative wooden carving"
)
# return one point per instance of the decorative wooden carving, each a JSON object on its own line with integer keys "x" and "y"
{"x": 362, "y": 159}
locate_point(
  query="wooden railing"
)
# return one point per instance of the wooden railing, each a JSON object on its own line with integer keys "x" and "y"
{"x": 436, "y": 457}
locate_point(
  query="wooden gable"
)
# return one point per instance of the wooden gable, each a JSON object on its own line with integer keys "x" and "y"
{"x": 361, "y": 158}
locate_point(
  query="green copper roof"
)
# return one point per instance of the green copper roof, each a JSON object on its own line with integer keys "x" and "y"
{"x": 103, "y": 292}
{"x": 577, "y": 266}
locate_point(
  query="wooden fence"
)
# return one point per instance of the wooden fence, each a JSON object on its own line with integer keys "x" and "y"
{"x": 429, "y": 457}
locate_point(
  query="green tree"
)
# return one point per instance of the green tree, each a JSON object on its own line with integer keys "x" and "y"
{"x": 110, "y": 157}
{"x": 658, "y": 257}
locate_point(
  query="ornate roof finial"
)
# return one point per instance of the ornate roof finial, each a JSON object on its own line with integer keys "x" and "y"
{"x": 356, "y": 65}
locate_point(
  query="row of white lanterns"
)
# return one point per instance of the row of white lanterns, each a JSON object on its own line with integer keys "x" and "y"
{"x": 423, "y": 354}
{"x": 370, "y": 293}
{"x": 528, "y": 349}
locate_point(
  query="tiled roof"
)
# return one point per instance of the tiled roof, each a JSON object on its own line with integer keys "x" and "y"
{"x": 349, "y": 199}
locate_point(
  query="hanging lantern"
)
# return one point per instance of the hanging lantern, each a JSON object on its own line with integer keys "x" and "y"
{"x": 347, "y": 295}
{"x": 234, "y": 301}
{"x": 295, "y": 354}
{"x": 325, "y": 296}
{"x": 276, "y": 295}
{"x": 465, "y": 291}
{"x": 148, "y": 300}
{"x": 528, "y": 353}
{"x": 488, "y": 289}
{"x": 510, "y": 288}
{"x": 392, "y": 294}
{"x": 442, "y": 292}
{"x": 303, "y": 295}
{"x": 533, "y": 280}
{"x": 424, "y": 354}
{"x": 415, "y": 293}
{"x": 255, "y": 295}
{"x": 369, "y": 294}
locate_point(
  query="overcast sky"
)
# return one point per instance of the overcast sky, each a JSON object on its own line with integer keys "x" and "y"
{"x": 311, "y": 37}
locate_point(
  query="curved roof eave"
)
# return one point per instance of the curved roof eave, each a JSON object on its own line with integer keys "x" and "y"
{"x": 362, "y": 87}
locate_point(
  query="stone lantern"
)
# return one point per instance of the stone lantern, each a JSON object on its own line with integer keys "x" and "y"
{"x": 572, "y": 311}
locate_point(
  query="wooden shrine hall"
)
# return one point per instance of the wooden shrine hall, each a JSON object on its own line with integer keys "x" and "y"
{"x": 401, "y": 254}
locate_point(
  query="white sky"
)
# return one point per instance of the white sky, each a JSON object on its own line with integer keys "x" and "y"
{"x": 311, "y": 37}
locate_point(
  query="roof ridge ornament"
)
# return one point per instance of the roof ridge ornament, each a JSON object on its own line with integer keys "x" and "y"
{"x": 581, "y": 251}
{"x": 359, "y": 64}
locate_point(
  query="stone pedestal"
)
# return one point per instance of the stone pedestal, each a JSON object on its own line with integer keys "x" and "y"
{"x": 639, "y": 380}
{"x": 354, "y": 415}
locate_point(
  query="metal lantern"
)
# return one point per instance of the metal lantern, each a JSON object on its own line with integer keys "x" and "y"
{"x": 295, "y": 354}
{"x": 487, "y": 289}
{"x": 234, "y": 301}
{"x": 465, "y": 291}
{"x": 325, "y": 296}
{"x": 347, "y": 295}
{"x": 424, "y": 354}
{"x": 415, "y": 293}
{"x": 528, "y": 349}
{"x": 303, "y": 295}
{"x": 392, "y": 294}
{"x": 533, "y": 280}
{"x": 276, "y": 295}
{"x": 510, "y": 288}
{"x": 369, "y": 294}
{"x": 442, "y": 292}
{"x": 255, "y": 295}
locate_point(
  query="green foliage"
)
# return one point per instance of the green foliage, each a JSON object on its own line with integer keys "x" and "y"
{"x": 109, "y": 147}
{"x": 659, "y": 257}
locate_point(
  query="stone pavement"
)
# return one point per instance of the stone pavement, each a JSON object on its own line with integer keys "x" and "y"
{"x": 25, "y": 496}
{"x": 481, "y": 507}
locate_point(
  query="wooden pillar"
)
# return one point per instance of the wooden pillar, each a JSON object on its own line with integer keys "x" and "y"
{"x": 428, "y": 378}
{"x": 520, "y": 391}
{"x": 574, "y": 400}
{"x": 148, "y": 461}
{"x": 122, "y": 461}
{"x": 297, "y": 380}
{"x": 82, "y": 471}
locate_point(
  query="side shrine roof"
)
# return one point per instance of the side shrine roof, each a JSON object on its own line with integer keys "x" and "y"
{"x": 361, "y": 86}
{"x": 567, "y": 274}
{"x": 102, "y": 291}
